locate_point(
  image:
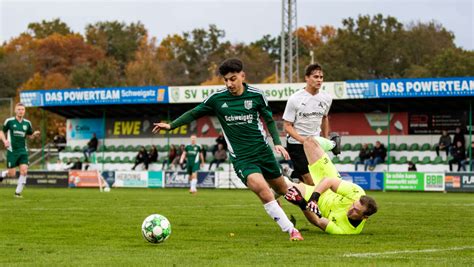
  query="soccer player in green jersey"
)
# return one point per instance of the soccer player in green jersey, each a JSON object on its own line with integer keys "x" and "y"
{"x": 195, "y": 161}
{"x": 334, "y": 205}
{"x": 238, "y": 108}
{"x": 16, "y": 130}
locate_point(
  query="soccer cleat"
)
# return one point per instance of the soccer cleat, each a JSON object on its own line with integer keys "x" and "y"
{"x": 295, "y": 235}
{"x": 337, "y": 139}
{"x": 18, "y": 195}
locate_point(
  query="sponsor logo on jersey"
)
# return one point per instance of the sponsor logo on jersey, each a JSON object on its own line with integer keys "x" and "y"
{"x": 224, "y": 105}
{"x": 248, "y": 104}
{"x": 18, "y": 133}
{"x": 310, "y": 114}
{"x": 245, "y": 117}
{"x": 321, "y": 105}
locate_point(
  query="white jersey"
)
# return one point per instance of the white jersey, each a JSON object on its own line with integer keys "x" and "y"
{"x": 306, "y": 112}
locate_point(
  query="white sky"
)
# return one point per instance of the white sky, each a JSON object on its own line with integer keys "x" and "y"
{"x": 243, "y": 21}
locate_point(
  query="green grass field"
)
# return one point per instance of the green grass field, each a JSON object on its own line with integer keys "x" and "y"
{"x": 85, "y": 227}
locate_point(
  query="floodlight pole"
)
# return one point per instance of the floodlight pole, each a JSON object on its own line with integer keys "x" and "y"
{"x": 289, "y": 63}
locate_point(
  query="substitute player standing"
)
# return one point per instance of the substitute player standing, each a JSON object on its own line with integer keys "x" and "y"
{"x": 306, "y": 114}
{"x": 334, "y": 205}
{"x": 238, "y": 108}
{"x": 16, "y": 130}
{"x": 195, "y": 161}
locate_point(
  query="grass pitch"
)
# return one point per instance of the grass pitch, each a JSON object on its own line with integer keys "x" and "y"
{"x": 224, "y": 228}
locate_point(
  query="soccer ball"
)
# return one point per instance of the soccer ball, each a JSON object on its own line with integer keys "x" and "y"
{"x": 156, "y": 228}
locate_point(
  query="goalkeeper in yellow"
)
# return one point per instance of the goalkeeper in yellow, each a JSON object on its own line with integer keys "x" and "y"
{"x": 334, "y": 205}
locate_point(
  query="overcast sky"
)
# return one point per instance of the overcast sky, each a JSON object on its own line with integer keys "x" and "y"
{"x": 243, "y": 21}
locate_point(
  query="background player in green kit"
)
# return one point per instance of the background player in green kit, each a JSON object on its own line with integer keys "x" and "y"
{"x": 16, "y": 130}
{"x": 238, "y": 108}
{"x": 334, "y": 205}
{"x": 195, "y": 160}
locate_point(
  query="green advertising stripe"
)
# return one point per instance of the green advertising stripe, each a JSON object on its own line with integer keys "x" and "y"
{"x": 404, "y": 181}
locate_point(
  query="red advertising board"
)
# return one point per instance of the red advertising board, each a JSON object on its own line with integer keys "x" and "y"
{"x": 369, "y": 123}
{"x": 83, "y": 178}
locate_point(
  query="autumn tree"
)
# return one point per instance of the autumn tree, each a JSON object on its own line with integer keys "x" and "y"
{"x": 146, "y": 68}
{"x": 271, "y": 45}
{"x": 105, "y": 73}
{"x": 62, "y": 53}
{"x": 310, "y": 39}
{"x": 366, "y": 48}
{"x": 423, "y": 41}
{"x": 258, "y": 64}
{"x": 117, "y": 39}
{"x": 192, "y": 53}
{"x": 45, "y": 28}
{"x": 453, "y": 62}
{"x": 15, "y": 68}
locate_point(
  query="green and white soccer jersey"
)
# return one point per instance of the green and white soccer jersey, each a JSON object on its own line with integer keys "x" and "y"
{"x": 240, "y": 119}
{"x": 16, "y": 133}
{"x": 192, "y": 158}
{"x": 243, "y": 130}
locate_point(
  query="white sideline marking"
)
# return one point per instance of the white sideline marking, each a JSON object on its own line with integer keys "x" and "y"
{"x": 430, "y": 204}
{"x": 375, "y": 254}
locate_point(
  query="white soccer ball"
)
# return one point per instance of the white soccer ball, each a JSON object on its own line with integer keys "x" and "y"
{"x": 156, "y": 228}
{"x": 107, "y": 189}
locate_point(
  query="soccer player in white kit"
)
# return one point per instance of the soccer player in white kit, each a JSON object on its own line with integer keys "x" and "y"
{"x": 306, "y": 114}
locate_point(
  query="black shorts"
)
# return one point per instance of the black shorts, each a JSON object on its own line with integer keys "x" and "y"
{"x": 298, "y": 157}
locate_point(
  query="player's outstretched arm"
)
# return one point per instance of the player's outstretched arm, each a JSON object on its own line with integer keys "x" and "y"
{"x": 326, "y": 184}
{"x": 322, "y": 222}
{"x": 183, "y": 156}
{"x": 35, "y": 134}
{"x": 4, "y": 139}
{"x": 157, "y": 126}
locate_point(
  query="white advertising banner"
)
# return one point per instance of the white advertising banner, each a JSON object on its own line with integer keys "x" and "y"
{"x": 131, "y": 179}
{"x": 274, "y": 92}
